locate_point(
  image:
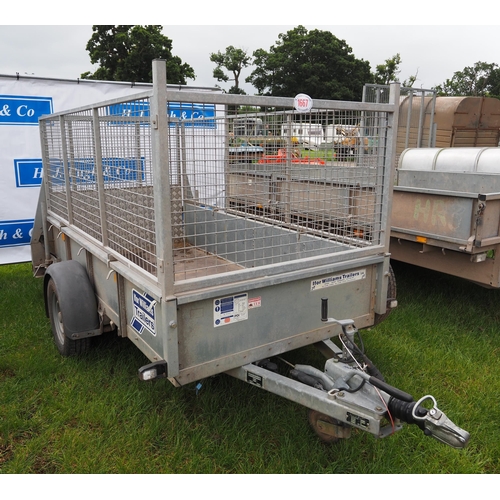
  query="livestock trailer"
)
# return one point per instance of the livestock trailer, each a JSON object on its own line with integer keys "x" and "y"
{"x": 147, "y": 227}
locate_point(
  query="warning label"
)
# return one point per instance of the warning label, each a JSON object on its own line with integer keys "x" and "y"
{"x": 230, "y": 309}
{"x": 254, "y": 302}
{"x": 338, "y": 279}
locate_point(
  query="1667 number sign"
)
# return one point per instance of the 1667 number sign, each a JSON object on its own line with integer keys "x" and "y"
{"x": 303, "y": 103}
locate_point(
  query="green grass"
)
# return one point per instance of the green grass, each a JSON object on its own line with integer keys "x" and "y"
{"x": 92, "y": 414}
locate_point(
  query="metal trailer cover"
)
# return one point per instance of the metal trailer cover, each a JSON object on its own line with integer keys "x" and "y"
{"x": 456, "y": 122}
{"x": 446, "y": 211}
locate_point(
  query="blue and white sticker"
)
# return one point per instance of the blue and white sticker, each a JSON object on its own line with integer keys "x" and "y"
{"x": 144, "y": 313}
{"x": 338, "y": 279}
{"x": 230, "y": 309}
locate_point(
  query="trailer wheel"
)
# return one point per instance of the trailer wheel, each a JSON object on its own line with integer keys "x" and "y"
{"x": 328, "y": 429}
{"x": 65, "y": 345}
{"x": 391, "y": 295}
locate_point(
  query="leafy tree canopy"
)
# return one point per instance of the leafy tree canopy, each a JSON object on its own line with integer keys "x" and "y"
{"x": 314, "y": 62}
{"x": 389, "y": 71}
{"x": 125, "y": 53}
{"x": 480, "y": 80}
{"x": 233, "y": 60}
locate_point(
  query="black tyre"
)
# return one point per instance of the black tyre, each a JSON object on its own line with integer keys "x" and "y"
{"x": 391, "y": 295}
{"x": 65, "y": 345}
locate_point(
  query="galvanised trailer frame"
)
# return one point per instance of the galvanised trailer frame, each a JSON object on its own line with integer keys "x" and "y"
{"x": 137, "y": 231}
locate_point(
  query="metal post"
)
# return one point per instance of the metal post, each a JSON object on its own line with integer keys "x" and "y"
{"x": 69, "y": 204}
{"x": 432, "y": 125}
{"x": 163, "y": 216}
{"x": 421, "y": 121}
{"x": 96, "y": 129}
{"x": 408, "y": 118}
{"x": 161, "y": 179}
{"x": 44, "y": 191}
{"x": 388, "y": 187}
{"x": 390, "y": 162}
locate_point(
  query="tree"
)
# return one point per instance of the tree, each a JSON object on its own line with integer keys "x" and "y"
{"x": 233, "y": 60}
{"x": 480, "y": 80}
{"x": 125, "y": 53}
{"x": 314, "y": 62}
{"x": 389, "y": 71}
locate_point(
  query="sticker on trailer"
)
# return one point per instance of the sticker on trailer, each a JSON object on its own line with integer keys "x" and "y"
{"x": 230, "y": 309}
{"x": 254, "y": 302}
{"x": 254, "y": 379}
{"x": 338, "y": 279}
{"x": 144, "y": 313}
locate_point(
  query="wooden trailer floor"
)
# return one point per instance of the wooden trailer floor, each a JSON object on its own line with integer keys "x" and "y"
{"x": 193, "y": 262}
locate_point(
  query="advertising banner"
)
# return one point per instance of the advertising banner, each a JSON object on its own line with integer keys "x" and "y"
{"x": 22, "y": 101}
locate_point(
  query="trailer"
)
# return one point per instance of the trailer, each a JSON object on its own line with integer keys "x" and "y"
{"x": 307, "y": 133}
{"x": 446, "y": 212}
{"x": 147, "y": 228}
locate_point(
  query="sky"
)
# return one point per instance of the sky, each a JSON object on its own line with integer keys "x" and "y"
{"x": 431, "y": 51}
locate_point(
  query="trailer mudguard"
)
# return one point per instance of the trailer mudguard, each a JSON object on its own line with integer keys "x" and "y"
{"x": 76, "y": 296}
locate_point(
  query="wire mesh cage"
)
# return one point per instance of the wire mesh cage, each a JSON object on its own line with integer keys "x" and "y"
{"x": 265, "y": 186}
{"x": 251, "y": 184}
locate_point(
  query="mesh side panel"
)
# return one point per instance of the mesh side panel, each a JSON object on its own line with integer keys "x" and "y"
{"x": 128, "y": 192}
{"x": 131, "y": 229}
{"x": 52, "y": 151}
{"x": 82, "y": 174}
{"x": 110, "y": 178}
{"x": 270, "y": 187}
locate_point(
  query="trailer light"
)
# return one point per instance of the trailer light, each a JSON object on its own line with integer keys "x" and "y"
{"x": 153, "y": 371}
{"x": 480, "y": 257}
{"x": 421, "y": 239}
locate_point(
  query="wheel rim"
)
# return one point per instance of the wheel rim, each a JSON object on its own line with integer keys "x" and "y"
{"x": 57, "y": 319}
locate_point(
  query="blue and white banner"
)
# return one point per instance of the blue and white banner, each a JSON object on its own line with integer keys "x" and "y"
{"x": 22, "y": 101}
{"x": 29, "y": 172}
{"x": 23, "y": 110}
{"x": 14, "y": 233}
{"x": 84, "y": 172}
{"x": 193, "y": 115}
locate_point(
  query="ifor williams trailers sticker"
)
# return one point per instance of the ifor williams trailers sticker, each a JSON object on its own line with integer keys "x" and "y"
{"x": 338, "y": 279}
{"x": 144, "y": 313}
